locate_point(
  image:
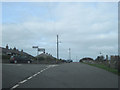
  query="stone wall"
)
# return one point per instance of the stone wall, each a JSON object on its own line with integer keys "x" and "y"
{"x": 112, "y": 63}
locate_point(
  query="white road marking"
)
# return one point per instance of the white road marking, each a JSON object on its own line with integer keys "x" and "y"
{"x": 35, "y": 75}
{"x": 14, "y": 87}
{"x": 52, "y": 65}
{"x": 31, "y": 76}
{"x": 44, "y": 69}
{"x": 38, "y": 73}
{"x": 23, "y": 81}
{"x": 41, "y": 70}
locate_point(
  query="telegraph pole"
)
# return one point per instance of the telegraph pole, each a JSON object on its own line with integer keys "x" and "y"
{"x": 57, "y": 48}
{"x": 69, "y": 53}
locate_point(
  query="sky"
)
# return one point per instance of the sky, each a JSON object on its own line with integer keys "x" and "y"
{"x": 88, "y": 28}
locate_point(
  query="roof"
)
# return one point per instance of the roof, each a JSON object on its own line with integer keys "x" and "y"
{"x": 5, "y": 51}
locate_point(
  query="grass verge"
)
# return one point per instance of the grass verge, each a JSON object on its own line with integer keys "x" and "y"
{"x": 102, "y": 66}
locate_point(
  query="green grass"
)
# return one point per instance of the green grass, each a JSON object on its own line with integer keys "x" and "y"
{"x": 102, "y": 66}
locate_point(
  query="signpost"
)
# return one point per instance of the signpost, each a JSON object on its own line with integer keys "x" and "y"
{"x": 39, "y": 50}
{"x": 35, "y": 47}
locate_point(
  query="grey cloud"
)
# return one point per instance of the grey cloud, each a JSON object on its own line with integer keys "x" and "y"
{"x": 87, "y": 31}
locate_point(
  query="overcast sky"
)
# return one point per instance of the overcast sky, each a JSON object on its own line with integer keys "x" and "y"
{"x": 87, "y": 28}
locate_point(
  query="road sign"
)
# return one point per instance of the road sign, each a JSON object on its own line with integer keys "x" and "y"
{"x": 41, "y": 49}
{"x": 35, "y": 47}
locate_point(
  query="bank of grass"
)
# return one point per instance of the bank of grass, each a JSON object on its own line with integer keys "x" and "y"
{"x": 102, "y": 66}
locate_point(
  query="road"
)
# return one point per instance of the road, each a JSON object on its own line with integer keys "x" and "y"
{"x": 67, "y": 75}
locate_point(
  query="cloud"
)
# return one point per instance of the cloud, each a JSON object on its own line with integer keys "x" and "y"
{"x": 86, "y": 28}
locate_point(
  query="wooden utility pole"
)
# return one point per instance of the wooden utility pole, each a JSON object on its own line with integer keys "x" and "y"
{"x": 69, "y": 54}
{"x": 57, "y": 48}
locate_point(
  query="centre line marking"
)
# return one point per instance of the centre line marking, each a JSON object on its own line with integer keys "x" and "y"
{"x": 29, "y": 77}
{"x": 14, "y": 87}
{"x": 32, "y": 76}
{"x": 38, "y": 73}
{"x": 23, "y": 81}
{"x": 35, "y": 75}
{"x": 41, "y": 70}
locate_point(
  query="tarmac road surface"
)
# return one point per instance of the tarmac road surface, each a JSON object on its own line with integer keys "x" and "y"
{"x": 67, "y": 75}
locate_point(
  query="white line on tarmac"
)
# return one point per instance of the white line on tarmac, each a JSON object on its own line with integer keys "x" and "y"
{"x": 35, "y": 75}
{"x": 44, "y": 69}
{"x": 23, "y": 81}
{"x": 41, "y": 70}
{"x": 14, "y": 87}
{"x": 52, "y": 65}
{"x": 38, "y": 73}
{"x": 31, "y": 77}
